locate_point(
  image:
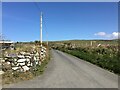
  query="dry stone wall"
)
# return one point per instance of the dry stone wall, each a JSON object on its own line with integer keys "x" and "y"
{"x": 23, "y": 61}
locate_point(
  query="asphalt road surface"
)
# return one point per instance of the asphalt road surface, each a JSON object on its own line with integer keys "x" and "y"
{"x": 66, "y": 71}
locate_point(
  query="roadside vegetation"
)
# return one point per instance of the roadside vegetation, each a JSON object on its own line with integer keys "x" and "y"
{"x": 105, "y": 55}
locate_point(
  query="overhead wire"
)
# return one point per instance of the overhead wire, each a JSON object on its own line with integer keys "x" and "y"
{"x": 38, "y": 8}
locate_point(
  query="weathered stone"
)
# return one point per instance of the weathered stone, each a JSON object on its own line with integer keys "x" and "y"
{"x": 21, "y": 60}
{"x": 27, "y": 56}
{"x": 22, "y": 64}
{"x": 37, "y": 62}
{"x": 28, "y": 64}
{"x": 35, "y": 58}
{"x": 27, "y": 53}
{"x": 42, "y": 56}
{"x": 44, "y": 51}
{"x": 15, "y": 59}
{"x": 15, "y": 68}
{"x": 6, "y": 66}
{"x": 41, "y": 53}
{"x": 25, "y": 68}
{"x": 21, "y": 56}
{"x": 21, "y": 69}
{"x": 18, "y": 64}
{"x": 1, "y": 72}
{"x": 3, "y": 60}
{"x": 22, "y": 53}
{"x": 27, "y": 59}
{"x": 8, "y": 62}
{"x": 31, "y": 64}
{"x": 12, "y": 64}
{"x": 15, "y": 63}
{"x": 37, "y": 54}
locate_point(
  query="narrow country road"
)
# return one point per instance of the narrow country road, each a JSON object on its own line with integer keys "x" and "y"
{"x": 66, "y": 71}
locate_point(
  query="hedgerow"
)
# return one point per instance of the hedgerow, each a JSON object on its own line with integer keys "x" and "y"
{"x": 106, "y": 58}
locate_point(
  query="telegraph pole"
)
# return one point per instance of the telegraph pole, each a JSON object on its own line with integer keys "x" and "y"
{"x": 41, "y": 29}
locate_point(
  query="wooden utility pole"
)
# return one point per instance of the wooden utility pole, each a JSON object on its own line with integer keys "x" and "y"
{"x": 41, "y": 29}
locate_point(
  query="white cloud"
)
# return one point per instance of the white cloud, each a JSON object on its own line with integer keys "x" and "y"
{"x": 114, "y": 35}
{"x": 100, "y": 34}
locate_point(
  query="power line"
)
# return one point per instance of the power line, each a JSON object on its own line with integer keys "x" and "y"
{"x": 37, "y": 6}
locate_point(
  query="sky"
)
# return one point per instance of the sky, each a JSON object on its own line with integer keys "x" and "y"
{"x": 61, "y": 20}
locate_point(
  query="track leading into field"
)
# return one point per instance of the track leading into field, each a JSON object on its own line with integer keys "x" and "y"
{"x": 66, "y": 71}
